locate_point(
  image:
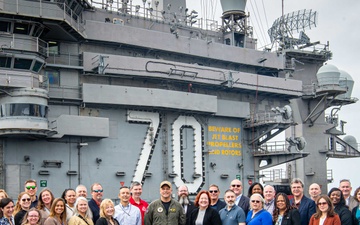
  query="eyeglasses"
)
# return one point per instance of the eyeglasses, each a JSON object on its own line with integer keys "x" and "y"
{"x": 31, "y": 187}
{"x": 322, "y": 203}
{"x": 26, "y": 199}
{"x": 235, "y": 185}
{"x": 33, "y": 216}
{"x": 98, "y": 191}
{"x": 255, "y": 201}
{"x": 213, "y": 191}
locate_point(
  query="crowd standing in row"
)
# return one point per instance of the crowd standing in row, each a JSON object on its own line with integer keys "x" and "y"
{"x": 262, "y": 206}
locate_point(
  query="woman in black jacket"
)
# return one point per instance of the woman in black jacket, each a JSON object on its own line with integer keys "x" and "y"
{"x": 284, "y": 213}
{"x": 22, "y": 206}
{"x": 203, "y": 213}
{"x": 340, "y": 207}
{"x": 107, "y": 211}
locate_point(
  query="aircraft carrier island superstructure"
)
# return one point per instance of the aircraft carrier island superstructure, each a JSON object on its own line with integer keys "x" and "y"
{"x": 113, "y": 92}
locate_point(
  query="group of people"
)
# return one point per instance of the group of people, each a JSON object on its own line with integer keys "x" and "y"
{"x": 73, "y": 207}
{"x": 261, "y": 206}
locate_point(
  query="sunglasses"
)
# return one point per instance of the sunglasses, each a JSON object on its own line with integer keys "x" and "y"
{"x": 98, "y": 191}
{"x": 235, "y": 185}
{"x": 322, "y": 203}
{"x": 255, "y": 201}
{"x": 31, "y": 187}
{"x": 213, "y": 191}
{"x": 26, "y": 199}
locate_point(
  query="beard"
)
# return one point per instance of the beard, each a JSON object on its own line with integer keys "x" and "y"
{"x": 183, "y": 200}
{"x": 230, "y": 204}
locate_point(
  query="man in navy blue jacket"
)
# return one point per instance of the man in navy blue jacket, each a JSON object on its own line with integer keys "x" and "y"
{"x": 305, "y": 205}
{"x": 94, "y": 203}
{"x": 241, "y": 200}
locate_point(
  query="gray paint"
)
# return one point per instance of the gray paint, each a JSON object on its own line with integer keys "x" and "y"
{"x": 146, "y": 97}
{"x": 233, "y": 109}
{"x": 79, "y": 126}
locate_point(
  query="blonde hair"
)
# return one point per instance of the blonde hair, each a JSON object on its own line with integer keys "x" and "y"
{"x": 5, "y": 194}
{"x": 25, "y": 219}
{"x": 103, "y": 205}
{"x": 18, "y": 206}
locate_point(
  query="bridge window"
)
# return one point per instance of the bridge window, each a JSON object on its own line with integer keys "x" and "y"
{"x": 37, "y": 66}
{"x": 5, "y": 26}
{"x": 37, "y": 31}
{"x": 5, "y": 62}
{"x": 23, "y": 64}
{"x": 24, "y": 109}
{"x": 21, "y": 28}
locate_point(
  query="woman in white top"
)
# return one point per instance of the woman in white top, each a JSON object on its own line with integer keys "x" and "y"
{"x": 69, "y": 196}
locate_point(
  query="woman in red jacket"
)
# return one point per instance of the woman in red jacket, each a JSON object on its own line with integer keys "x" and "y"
{"x": 325, "y": 214}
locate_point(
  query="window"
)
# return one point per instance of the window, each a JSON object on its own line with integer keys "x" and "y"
{"x": 37, "y": 66}
{"x": 21, "y": 28}
{"x": 53, "y": 77}
{"x": 5, "y": 26}
{"x": 37, "y": 31}
{"x": 5, "y": 62}
{"x": 24, "y": 109}
{"x": 54, "y": 48}
{"x": 23, "y": 64}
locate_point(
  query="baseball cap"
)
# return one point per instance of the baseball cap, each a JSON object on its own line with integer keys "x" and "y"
{"x": 165, "y": 182}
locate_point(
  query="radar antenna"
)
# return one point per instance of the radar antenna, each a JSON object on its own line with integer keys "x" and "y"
{"x": 283, "y": 28}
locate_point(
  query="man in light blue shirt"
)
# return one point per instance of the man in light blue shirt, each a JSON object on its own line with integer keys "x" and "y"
{"x": 125, "y": 213}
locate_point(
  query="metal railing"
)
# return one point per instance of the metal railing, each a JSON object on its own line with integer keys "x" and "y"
{"x": 45, "y": 9}
{"x": 274, "y": 147}
{"x": 327, "y": 81}
{"x": 61, "y": 92}
{"x": 182, "y": 17}
{"x": 65, "y": 58}
{"x": 278, "y": 175}
{"x": 19, "y": 79}
{"x": 23, "y": 42}
{"x": 273, "y": 175}
{"x": 264, "y": 117}
{"x": 65, "y": 92}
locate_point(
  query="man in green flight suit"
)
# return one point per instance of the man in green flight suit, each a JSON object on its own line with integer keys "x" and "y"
{"x": 165, "y": 210}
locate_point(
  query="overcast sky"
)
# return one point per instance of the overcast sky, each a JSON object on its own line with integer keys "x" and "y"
{"x": 338, "y": 23}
